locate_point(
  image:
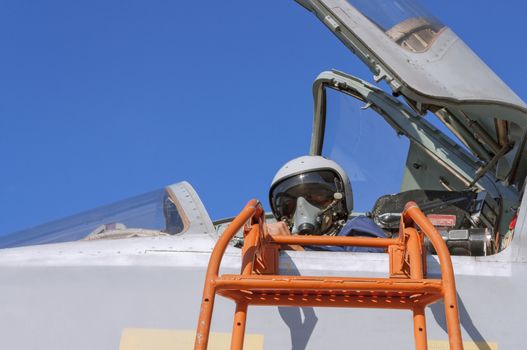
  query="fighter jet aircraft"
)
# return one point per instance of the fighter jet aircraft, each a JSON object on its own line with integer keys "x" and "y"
{"x": 130, "y": 275}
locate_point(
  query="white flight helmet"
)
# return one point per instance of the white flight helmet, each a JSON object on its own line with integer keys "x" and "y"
{"x": 311, "y": 187}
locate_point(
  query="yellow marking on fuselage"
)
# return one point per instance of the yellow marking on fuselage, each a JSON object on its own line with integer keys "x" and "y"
{"x": 165, "y": 339}
{"x": 467, "y": 345}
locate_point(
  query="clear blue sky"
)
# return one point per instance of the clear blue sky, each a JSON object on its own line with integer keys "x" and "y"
{"x": 103, "y": 100}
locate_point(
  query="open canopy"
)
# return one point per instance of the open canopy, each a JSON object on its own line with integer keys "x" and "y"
{"x": 405, "y": 43}
{"x": 427, "y": 63}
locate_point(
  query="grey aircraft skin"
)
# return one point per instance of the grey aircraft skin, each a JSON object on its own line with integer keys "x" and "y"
{"x": 103, "y": 280}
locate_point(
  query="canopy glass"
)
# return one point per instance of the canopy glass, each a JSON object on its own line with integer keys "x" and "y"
{"x": 156, "y": 210}
{"x": 406, "y": 22}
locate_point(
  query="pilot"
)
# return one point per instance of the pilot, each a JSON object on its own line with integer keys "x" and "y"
{"x": 312, "y": 195}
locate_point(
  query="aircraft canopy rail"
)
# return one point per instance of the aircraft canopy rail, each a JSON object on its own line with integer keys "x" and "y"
{"x": 259, "y": 283}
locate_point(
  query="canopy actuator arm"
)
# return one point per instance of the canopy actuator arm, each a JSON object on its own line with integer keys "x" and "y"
{"x": 491, "y": 163}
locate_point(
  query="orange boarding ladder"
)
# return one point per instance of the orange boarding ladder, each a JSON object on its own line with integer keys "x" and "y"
{"x": 259, "y": 282}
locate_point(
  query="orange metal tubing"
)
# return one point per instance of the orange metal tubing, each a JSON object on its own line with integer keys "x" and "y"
{"x": 334, "y": 241}
{"x": 240, "y": 315}
{"x": 238, "y": 327}
{"x": 412, "y": 212}
{"x": 408, "y": 290}
{"x": 249, "y": 250}
{"x": 415, "y": 253}
{"x": 420, "y": 328}
{"x": 209, "y": 291}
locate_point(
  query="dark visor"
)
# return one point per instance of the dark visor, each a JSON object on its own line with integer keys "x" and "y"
{"x": 317, "y": 187}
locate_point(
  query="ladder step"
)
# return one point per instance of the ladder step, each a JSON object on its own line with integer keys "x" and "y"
{"x": 335, "y": 299}
{"x": 404, "y": 287}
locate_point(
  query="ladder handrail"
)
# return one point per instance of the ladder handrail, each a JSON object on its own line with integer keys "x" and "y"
{"x": 260, "y": 256}
{"x": 413, "y": 215}
{"x": 252, "y": 209}
{"x": 334, "y": 241}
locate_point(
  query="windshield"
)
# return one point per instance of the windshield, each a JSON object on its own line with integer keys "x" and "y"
{"x": 406, "y": 22}
{"x": 365, "y": 145}
{"x": 157, "y": 210}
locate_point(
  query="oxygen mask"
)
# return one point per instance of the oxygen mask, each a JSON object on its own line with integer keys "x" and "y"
{"x": 306, "y": 217}
{"x": 310, "y": 219}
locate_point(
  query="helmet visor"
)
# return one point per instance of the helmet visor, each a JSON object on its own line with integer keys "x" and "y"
{"x": 317, "y": 187}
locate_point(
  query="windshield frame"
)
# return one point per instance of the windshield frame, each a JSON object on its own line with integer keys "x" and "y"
{"x": 461, "y": 164}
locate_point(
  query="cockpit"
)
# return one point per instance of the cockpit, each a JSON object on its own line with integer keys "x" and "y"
{"x": 451, "y": 136}
{"x": 393, "y": 155}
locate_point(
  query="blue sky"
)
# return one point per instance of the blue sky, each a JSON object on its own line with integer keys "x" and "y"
{"x": 103, "y": 100}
